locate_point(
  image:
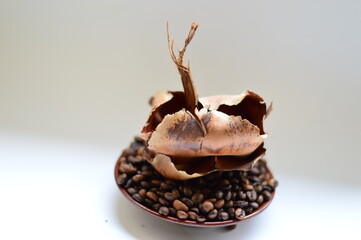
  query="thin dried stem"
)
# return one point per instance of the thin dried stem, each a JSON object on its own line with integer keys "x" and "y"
{"x": 190, "y": 92}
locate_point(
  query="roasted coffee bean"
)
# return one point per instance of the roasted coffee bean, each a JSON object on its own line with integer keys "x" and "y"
{"x": 223, "y": 216}
{"x": 187, "y": 191}
{"x": 197, "y": 198}
{"x": 219, "y": 204}
{"x": 127, "y": 168}
{"x": 172, "y": 211}
{"x": 224, "y": 182}
{"x": 255, "y": 179}
{"x": 231, "y": 212}
{"x": 170, "y": 196}
{"x": 267, "y": 188}
{"x": 228, "y": 196}
{"x": 182, "y": 215}
{"x": 148, "y": 202}
{"x": 194, "y": 209}
{"x": 156, "y": 206}
{"x": 258, "y": 187}
{"x": 148, "y": 173}
{"x": 163, "y": 211}
{"x": 131, "y": 191}
{"x": 128, "y": 151}
{"x": 248, "y": 210}
{"x": 135, "y": 159}
{"x": 254, "y": 171}
{"x": 142, "y": 192}
{"x": 252, "y": 195}
{"x": 164, "y": 202}
{"x": 138, "y": 198}
{"x": 153, "y": 196}
{"x": 145, "y": 184}
{"x": 192, "y": 215}
{"x": 160, "y": 193}
{"x": 155, "y": 182}
{"x": 201, "y": 219}
{"x": 138, "y": 177}
{"x": 239, "y": 213}
{"x": 187, "y": 202}
{"x": 247, "y": 187}
{"x": 229, "y": 204}
{"x": 266, "y": 195}
{"x": 242, "y": 195}
{"x": 207, "y": 206}
{"x": 240, "y": 204}
{"x": 254, "y": 205}
{"x": 178, "y": 205}
{"x": 219, "y": 194}
{"x": 139, "y": 139}
{"x": 122, "y": 179}
{"x": 260, "y": 199}
{"x": 165, "y": 186}
{"x": 212, "y": 200}
{"x": 212, "y": 214}
{"x": 234, "y": 196}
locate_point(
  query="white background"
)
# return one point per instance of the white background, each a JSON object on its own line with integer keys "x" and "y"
{"x": 76, "y": 76}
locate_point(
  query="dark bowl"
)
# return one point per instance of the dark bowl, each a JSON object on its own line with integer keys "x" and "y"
{"x": 191, "y": 223}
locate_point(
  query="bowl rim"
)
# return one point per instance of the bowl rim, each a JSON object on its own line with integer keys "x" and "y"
{"x": 190, "y": 223}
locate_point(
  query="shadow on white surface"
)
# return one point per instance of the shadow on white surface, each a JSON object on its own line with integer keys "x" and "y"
{"x": 142, "y": 225}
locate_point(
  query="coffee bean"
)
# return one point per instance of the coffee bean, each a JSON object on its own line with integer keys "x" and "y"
{"x": 207, "y": 206}
{"x": 155, "y": 182}
{"x": 156, "y": 206}
{"x": 178, "y": 205}
{"x": 260, "y": 199}
{"x": 212, "y": 214}
{"x": 194, "y": 209}
{"x": 135, "y": 159}
{"x": 228, "y": 196}
{"x": 242, "y": 195}
{"x": 182, "y": 215}
{"x": 122, "y": 179}
{"x": 138, "y": 198}
{"x": 187, "y": 191}
{"x": 255, "y": 179}
{"x": 248, "y": 210}
{"x": 176, "y": 193}
{"x": 239, "y": 213}
{"x": 223, "y": 216}
{"x": 240, "y": 204}
{"x": 164, "y": 202}
{"x": 163, "y": 211}
{"x": 165, "y": 186}
{"x": 138, "y": 177}
{"x": 252, "y": 195}
{"x": 258, "y": 187}
{"x": 219, "y": 204}
{"x": 201, "y": 218}
{"x": 131, "y": 191}
{"x": 127, "y": 168}
{"x": 153, "y": 196}
{"x": 160, "y": 193}
{"x": 229, "y": 204}
{"x": 128, "y": 151}
{"x": 254, "y": 171}
{"x": 148, "y": 202}
{"x": 247, "y": 187}
{"x": 219, "y": 194}
{"x": 148, "y": 174}
{"x": 170, "y": 196}
{"x": 187, "y": 202}
{"x": 212, "y": 200}
{"x": 142, "y": 192}
{"x": 192, "y": 215}
{"x": 172, "y": 211}
{"x": 231, "y": 212}
{"x": 197, "y": 198}
{"x": 224, "y": 182}
{"x": 254, "y": 205}
{"x": 266, "y": 195}
{"x": 145, "y": 184}
{"x": 267, "y": 188}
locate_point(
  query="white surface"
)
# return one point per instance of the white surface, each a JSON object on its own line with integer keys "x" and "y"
{"x": 75, "y": 78}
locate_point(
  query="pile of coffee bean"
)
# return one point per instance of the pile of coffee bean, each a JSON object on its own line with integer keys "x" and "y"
{"x": 217, "y": 196}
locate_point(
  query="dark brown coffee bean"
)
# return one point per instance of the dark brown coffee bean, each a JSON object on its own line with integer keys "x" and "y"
{"x": 201, "y": 218}
{"x": 145, "y": 184}
{"x": 194, "y": 209}
{"x": 155, "y": 182}
{"x": 139, "y": 139}
{"x": 231, "y": 212}
{"x": 122, "y": 178}
{"x": 138, "y": 198}
{"x": 138, "y": 177}
{"x": 260, "y": 199}
{"x": 234, "y": 196}
{"x": 182, "y": 215}
{"x": 258, "y": 187}
{"x": 255, "y": 179}
{"x": 266, "y": 195}
{"x": 170, "y": 196}
{"x": 207, "y": 206}
{"x": 148, "y": 202}
{"x": 248, "y": 210}
{"x": 223, "y": 216}
{"x": 197, "y": 198}
{"x": 187, "y": 191}
{"x": 239, "y": 213}
{"x": 240, "y": 204}
{"x": 254, "y": 205}
{"x": 267, "y": 188}
{"x": 127, "y": 168}
{"x": 192, "y": 215}
{"x": 148, "y": 173}
{"x": 219, "y": 204}
{"x": 247, "y": 187}
{"x": 172, "y": 212}
{"x": 142, "y": 192}
{"x": 164, "y": 202}
{"x": 254, "y": 171}
{"x": 176, "y": 193}
{"x": 219, "y": 194}
{"x": 135, "y": 159}
{"x": 212, "y": 214}
{"x": 131, "y": 191}
{"x": 163, "y": 211}
{"x": 156, "y": 206}
{"x": 228, "y": 196}
{"x": 153, "y": 196}
{"x": 165, "y": 186}
{"x": 178, "y": 205}
{"x": 212, "y": 200}
{"x": 242, "y": 195}
{"x": 160, "y": 193}
{"x": 128, "y": 151}
{"x": 252, "y": 195}
{"x": 187, "y": 202}
{"x": 228, "y": 204}
{"x": 224, "y": 182}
